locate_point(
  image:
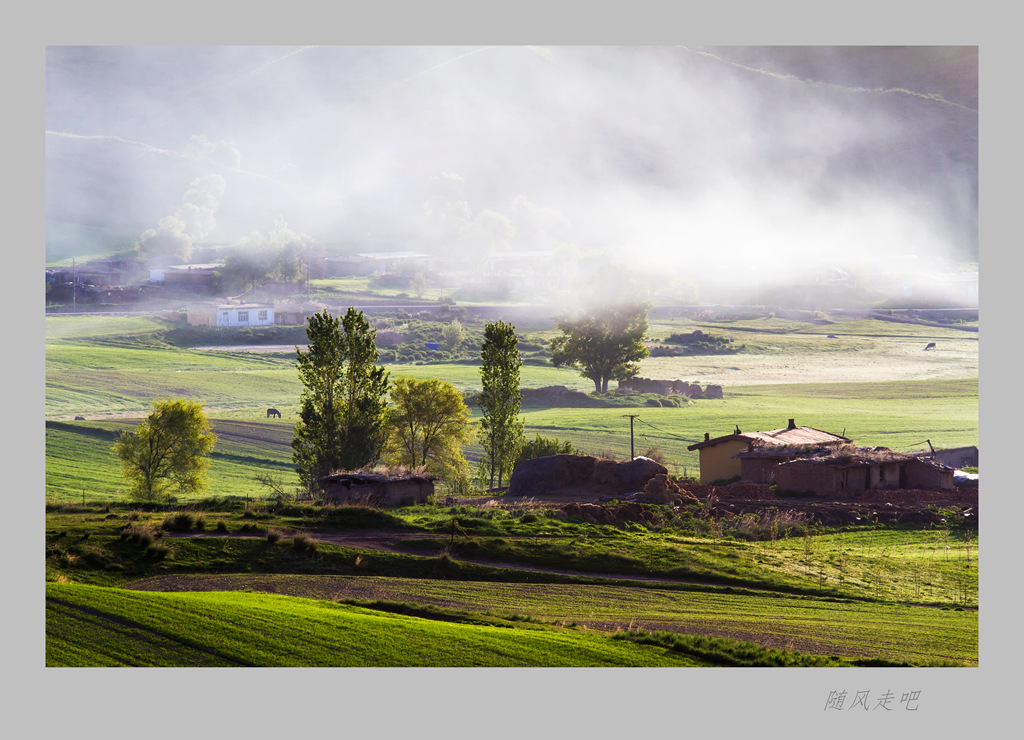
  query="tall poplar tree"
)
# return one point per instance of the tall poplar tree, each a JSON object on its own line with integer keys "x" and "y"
{"x": 343, "y": 411}
{"x": 501, "y": 429}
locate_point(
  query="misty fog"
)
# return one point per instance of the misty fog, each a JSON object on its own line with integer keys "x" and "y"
{"x": 752, "y": 165}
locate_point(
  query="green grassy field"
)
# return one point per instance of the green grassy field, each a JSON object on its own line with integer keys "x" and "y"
{"x": 900, "y": 415}
{"x": 820, "y": 627}
{"x": 517, "y": 586}
{"x": 900, "y": 594}
{"x": 97, "y": 626}
{"x": 94, "y": 626}
{"x": 110, "y": 369}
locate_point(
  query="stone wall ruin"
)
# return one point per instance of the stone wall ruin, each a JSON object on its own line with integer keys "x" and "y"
{"x": 669, "y": 388}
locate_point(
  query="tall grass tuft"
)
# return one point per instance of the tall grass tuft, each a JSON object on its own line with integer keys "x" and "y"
{"x": 304, "y": 543}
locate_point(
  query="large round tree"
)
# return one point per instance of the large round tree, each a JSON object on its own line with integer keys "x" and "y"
{"x": 605, "y": 344}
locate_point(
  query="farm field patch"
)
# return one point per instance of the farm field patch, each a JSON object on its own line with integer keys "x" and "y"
{"x": 824, "y": 627}
{"x": 96, "y": 626}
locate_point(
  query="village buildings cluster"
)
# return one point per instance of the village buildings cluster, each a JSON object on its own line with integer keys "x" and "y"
{"x": 804, "y": 460}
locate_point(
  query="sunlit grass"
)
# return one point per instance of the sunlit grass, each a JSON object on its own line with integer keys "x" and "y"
{"x": 93, "y": 626}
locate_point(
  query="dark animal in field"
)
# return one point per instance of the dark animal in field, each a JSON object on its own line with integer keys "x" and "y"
{"x": 79, "y": 418}
{"x": 931, "y": 345}
{"x": 273, "y": 412}
{"x": 832, "y": 336}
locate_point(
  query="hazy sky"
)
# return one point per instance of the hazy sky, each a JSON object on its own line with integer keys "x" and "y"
{"x": 776, "y": 158}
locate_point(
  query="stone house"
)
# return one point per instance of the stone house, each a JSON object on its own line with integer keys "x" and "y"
{"x": 954, "y": 457}
{"x": 376, "y": 489}
{"x": 852, "y": 470}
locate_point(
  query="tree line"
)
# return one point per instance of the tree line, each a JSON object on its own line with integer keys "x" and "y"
{"x": 353, "y": 415}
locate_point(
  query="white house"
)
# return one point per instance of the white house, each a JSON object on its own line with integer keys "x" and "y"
{"x": 231, "y": 314}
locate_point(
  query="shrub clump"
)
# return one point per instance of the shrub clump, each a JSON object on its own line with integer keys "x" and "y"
{"x": 140, "y": 534}
{"x": 158, "y": 552}
{"x": 180, "y": 522}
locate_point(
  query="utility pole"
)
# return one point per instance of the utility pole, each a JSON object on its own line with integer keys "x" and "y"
{"x": 74, "y": 285}
{"x": 632, "y": 452}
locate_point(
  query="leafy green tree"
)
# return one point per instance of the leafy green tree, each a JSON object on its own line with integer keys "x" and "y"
{"x": 343, "y": 413}
{"x": 167, "y": 450}
{"x": 606, "y": 344}
{"x": 428, "y": 424}
{"x": 501, "y": 429}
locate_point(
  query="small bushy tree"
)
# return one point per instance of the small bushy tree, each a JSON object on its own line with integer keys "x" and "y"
{"x": 167, "y": 450}
{"x": 428, "y": 424}
{"x": 453, "y": 333}
{"x": 544, "y": 447}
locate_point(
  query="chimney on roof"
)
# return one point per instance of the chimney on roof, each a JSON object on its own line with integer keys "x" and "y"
{"x": 792, "y": 423}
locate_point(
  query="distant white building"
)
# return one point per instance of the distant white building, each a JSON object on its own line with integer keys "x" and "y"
{"x": 231, "y": 314}
{"x": 200, "y": 275}
{"x": 958, "y": 288}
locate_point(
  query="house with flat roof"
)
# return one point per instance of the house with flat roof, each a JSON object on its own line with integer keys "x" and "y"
{"x": 231, "y": 314}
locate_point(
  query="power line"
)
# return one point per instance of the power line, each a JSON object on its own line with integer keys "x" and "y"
{"x": 673, "y": 436}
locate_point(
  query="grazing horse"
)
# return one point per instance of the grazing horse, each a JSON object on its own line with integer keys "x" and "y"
{"x": 273, "y": 412}
{"x": 931, "y": 345}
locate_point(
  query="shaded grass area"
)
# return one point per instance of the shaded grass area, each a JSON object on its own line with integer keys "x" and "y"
{"x": 899, "y": 564}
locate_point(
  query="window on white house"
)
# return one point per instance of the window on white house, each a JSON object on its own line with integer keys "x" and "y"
{"x": 262, "y": 314}
{"x": 243, "y": 317}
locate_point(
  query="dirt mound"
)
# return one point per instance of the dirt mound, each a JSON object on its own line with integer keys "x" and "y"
{"x": 899, "y": 506}
{"x": 661, "y": 490}
{"x": 577, "y": 473}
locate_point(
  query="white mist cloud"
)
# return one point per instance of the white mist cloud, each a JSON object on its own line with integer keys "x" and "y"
{"x": 194, "y": 220}
{"x": 219, "y": 152}
{"x": 671, "y": 156}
